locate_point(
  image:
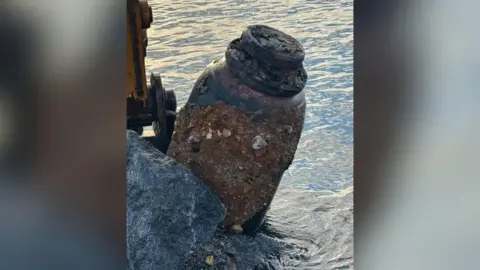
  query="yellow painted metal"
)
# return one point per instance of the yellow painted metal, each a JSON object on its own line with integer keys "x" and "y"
{"x": 135, "y": 37}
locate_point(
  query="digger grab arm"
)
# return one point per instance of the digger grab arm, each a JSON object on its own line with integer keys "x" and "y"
{"x": 146, "y": 104}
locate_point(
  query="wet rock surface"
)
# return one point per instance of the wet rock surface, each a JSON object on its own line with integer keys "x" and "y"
{"x": 239, "y": 252}
{"x": 244, "y": 167}
{"x": 169, "y": 210}
{"x": 324, "y": 239}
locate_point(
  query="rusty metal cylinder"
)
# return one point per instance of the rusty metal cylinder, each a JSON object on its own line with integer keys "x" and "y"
{"x": 242, "y": 123}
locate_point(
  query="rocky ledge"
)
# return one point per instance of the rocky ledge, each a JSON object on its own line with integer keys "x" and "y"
{"x": 172, "y": 221}
{"x": 169, "y": 210}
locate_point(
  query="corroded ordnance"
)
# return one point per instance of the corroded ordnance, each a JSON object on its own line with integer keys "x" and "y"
{"x": 241, "y": 125}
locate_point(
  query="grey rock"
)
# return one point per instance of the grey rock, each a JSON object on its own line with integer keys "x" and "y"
{"x": 169, "y": 210}
{"x": 303, "y": 230}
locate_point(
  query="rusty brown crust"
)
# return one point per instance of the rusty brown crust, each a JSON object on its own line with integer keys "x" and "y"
{"x": 240, "y": 159}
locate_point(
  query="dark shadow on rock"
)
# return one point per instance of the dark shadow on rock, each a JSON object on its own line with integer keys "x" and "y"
{"x": 169, "y": 210}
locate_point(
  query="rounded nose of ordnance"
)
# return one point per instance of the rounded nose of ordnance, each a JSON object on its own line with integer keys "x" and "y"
{"x": 241, "y": 125}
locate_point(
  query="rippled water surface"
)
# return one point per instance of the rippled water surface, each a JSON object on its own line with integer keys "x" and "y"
{"x": 188, "y": 34}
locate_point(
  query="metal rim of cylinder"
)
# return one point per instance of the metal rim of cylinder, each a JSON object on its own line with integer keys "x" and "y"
{"x": 269, "y": 87}
{"x": 251, "y": 44}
